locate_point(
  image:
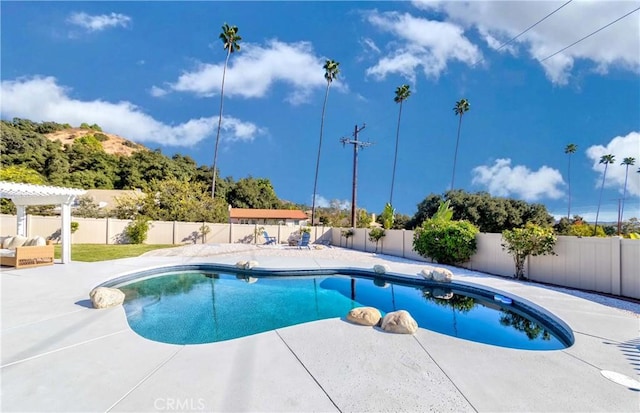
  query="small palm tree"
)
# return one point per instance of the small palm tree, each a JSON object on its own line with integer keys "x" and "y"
{"x": 402, "y": 94}
{"x": 606, "y": 160}
{"x": 230, "y": 39}
{"x": 570, "y": 149}
{"x": 627, "y": 162}
{"x": 331, "y": 71}
{"x": 461, "y": 107}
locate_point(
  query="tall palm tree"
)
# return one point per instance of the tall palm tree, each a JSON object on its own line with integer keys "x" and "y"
{"x": 461, "y": 107}
{"x": 570, "y": 149}
{"x": 230, "y": 39}
{"x": 402, "y": 94}
{"x": 331, "y": 70}
{"x": 606, "y": 160}
{"x": 627, "y": 162}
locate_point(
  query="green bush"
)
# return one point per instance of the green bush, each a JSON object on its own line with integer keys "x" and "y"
{"x": 376, "y": 234}
{"x": 447, "y": 242}
{"x": 136, "y": 231}
{"x": 530, "y": 240}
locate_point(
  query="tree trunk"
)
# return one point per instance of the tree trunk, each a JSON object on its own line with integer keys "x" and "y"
{"x": 215, "y": 151}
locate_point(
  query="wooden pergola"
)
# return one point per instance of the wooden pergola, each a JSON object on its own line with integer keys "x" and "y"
{"x": 24, "y": 195}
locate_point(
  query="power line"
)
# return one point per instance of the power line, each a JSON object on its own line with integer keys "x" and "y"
{"x": 528, "y": 28}
{"x": 590, "y": 34}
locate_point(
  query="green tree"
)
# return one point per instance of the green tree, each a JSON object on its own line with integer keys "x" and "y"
{"x": 87, "y": 208}
{"x": 569, "y": 150}
{"x": 627, "y": 162}
{"x": 331, "y": 70}
{"x": 402, "y": 94}
{"x": 375, "y": 235}
{"x": 230, "y": 39}
{"x": 256, "y": 193}
{"x": 532, "y": 240}
{"x": 606, "y": 160}
{"x": 388, "y": 216}
{"x": 20, "y": 174}
{"x": 461, "y": 107}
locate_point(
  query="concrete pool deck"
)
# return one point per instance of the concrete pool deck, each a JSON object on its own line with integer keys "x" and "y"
{"x": 59, "y": 354}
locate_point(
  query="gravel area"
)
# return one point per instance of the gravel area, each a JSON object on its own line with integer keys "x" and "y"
{"x": 361, "y": 258}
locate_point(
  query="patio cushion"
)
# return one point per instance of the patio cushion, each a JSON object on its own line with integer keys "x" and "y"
{"x": 6, "y": 241}
{"x": 7, "y": 253}
{"x": 35, "y": 241}
{"x": 17, "y": 241}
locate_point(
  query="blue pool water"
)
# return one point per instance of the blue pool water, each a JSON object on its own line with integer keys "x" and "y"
{"x": 200, "y": 307}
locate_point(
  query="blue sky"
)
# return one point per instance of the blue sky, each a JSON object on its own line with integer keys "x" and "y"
{"x": 151, "y": 72}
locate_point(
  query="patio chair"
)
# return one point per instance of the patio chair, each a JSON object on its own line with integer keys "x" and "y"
{"x": 304, "y": 240}
{"x": 268, "y": 240}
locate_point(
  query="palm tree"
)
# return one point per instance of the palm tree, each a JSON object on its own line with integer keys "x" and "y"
{"x": 570, "y": 149}
{"x": 402, "y": 93}
{"x": 459, "y": 109}
{"x": 331, "y": 71}
{"x": 230, "y": 39}
{"x": 627, "y": 162}
{"x": 606, "y": 160}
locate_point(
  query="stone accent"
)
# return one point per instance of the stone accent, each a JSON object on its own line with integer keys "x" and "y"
{"x": 104, "y": 297}
{"x": 381, "y": 268}
{"x": 366, "y": 316}
{"x": 246, "y": 265}
{"x": 436, "y": 274}
{"x": 241, "y": 264}
{"x": 399, "y": 322}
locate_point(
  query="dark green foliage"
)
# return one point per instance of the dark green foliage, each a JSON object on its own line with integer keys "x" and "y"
{"x": 375, "y": 235}
{"x": 136, "y": 231}
{"x": 488, "y": 213}
{"x": 102, "y": 137}
{"x": 253, "y": 193}
{"x": 446, "y": 242}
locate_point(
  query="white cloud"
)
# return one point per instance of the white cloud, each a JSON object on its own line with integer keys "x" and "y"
{"x": 253, "y": 72}
{"x": 157, "y": 92}
{"x": 42, "y": 99}
{"x": 621, "y": 147}
{"x": 419, "y": 42}
{"x": 99, "y": 22}
{"x": 322, "y": 202}
{"x": 501, "y": 179}
{"x": 615, "y": 46}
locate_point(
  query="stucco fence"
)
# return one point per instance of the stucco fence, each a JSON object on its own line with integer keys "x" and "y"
{"x": 111, "y": 231}
{"x": 608, "y": 265}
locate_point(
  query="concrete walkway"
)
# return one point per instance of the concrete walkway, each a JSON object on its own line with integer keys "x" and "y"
{"x": 58, "y": 354}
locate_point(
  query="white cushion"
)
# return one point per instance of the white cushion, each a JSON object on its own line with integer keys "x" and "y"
{"x": 39, "y": 241}
{"x": 17, "y": 241}
{"x": 7, "y": 253}
{"x": 6, "y": 241}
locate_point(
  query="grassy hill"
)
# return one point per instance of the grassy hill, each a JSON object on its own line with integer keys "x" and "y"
{"x": 112, "y": 144}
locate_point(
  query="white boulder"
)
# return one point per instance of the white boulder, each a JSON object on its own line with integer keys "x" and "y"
{"x": 366, "y": 316}
{"x": 381, "y": 268}
{"x": 250, "y": 264}
{"x": 241, "y": 264}
{"x": 104, "y": 297}
{"x": 399, "y": 322}
{"x": 442, "y": 275}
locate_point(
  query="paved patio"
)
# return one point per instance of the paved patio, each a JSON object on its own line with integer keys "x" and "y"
{"x": 58, "y": 354}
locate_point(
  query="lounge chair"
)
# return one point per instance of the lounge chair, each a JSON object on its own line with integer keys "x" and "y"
{"x": 268, "y": 240}
{"x": 304, "y": 240}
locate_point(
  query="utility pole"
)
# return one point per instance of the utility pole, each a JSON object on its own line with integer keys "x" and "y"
{"x": 356, "y": 145}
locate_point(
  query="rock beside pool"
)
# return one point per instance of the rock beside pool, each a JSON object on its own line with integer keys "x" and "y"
{"x": 104, "y": 297}
{"x": 437, "y": 274}
{"x": 381, "y": 268}
{"x": 366, "y": 316}
{"x": 246, "y": 265}
{"x": 399, "y": 322}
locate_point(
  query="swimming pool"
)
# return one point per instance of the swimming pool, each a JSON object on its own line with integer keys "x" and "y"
{"x": 197, "y": 304}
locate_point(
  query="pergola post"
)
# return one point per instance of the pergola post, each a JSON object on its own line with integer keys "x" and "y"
{"x": 66, "y": 233}
{"x": 21, "y": 216}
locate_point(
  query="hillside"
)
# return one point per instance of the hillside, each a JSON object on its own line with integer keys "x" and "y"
{"x": 112, "y": 144}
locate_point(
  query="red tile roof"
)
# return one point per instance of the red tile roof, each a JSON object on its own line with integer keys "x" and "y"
{"x": 240, "y": 213}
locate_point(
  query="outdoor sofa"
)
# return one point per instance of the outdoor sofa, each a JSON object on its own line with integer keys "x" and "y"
{"x": 22, "y": 252}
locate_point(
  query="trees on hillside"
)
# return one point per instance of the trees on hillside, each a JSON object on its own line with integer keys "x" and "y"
{"x": 331, "y": 70}
{"x": 230, "y": 39}
{"x": 402, "y": 94}
{"x": 606, "y": 160}
{"x": 569, "y": 150}
{"x": 461, "y": 107}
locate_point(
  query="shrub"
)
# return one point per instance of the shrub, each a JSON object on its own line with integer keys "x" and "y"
{"x": 447, "y": 242}
{"x": 136, "y": 231}
{"x": 530, "y": 240}
{"x": 375, "y": 235}
{"x": 74, "y": 226}
{"x": 101, "y": 137}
